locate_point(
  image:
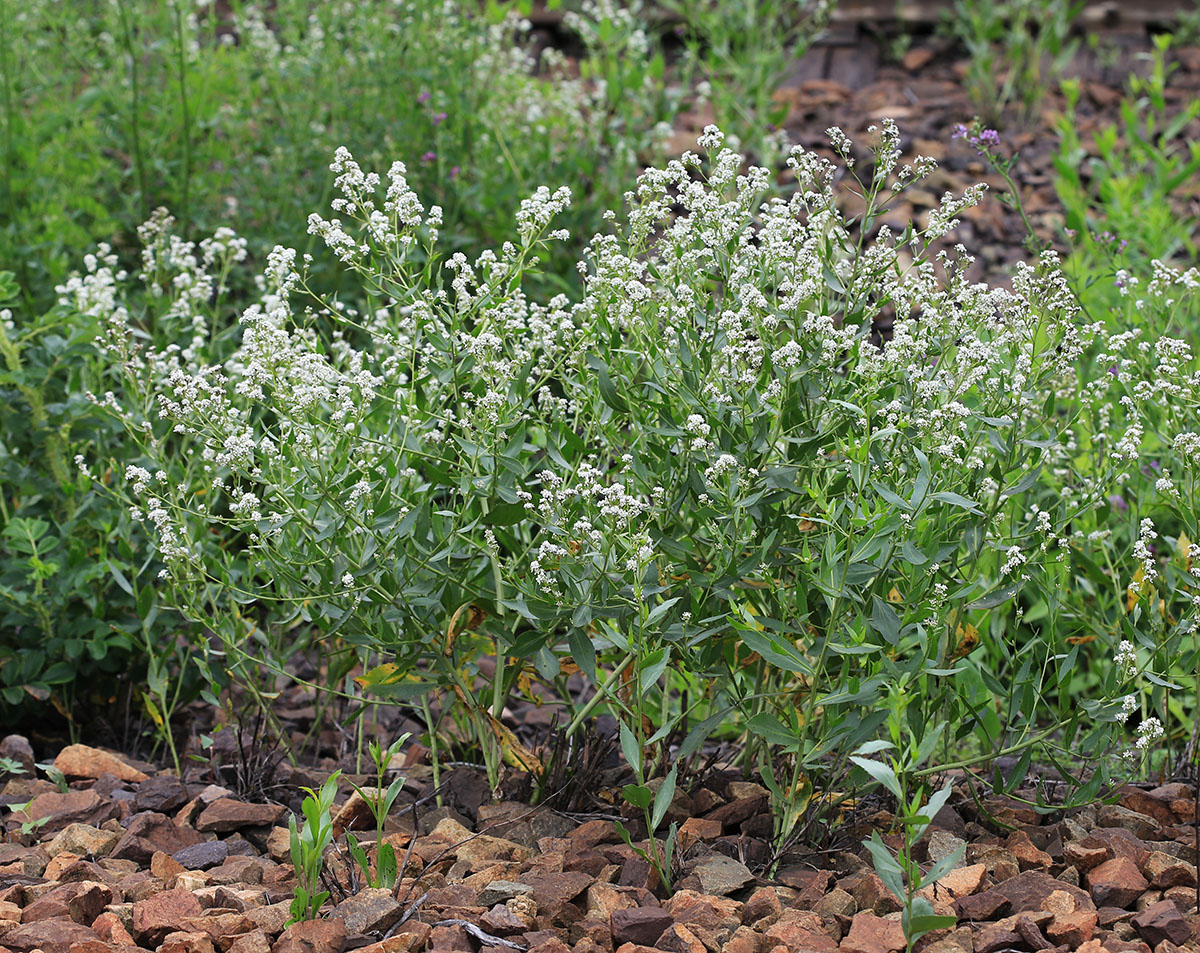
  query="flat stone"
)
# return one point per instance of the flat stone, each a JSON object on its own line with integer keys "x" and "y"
{"x": 74, "y": 807}
{"x": 1116, "y": 883}
{"x": 82, "y": 761}
{"x": 1141, "y": 826}
{"x": 49, "y": 936}
{"x": 798, "y": 931}
{"x": 371, "y": 910}
{"x": 498, "y": 891}
{"x": 151, "y": 831}
{"x": 641, "y": 925}
{"x": 1072, "y": 929}
{"x": 1028, "y": 892}
{"x": 314, "y": 936}
{"x": 836, "y": 903}
{"x": 160, "y": 793}
{"x": 227, "y": 814}
{"x": 720, "y": 875}
{"x": 1029, "y": 856}
{"x": 943, "y": 844}
{"x": 81, "y": 902}
{"x": 254, "y": 941}
{"x": 872, "y": 934}
{"x": 701, "y": 910}
{"x": 958, "y": 883}
{"x": 1162, "y": 921}
{"x": 182, "y": 942}
{"x": 202, "y": 856}
{"x": 83, "y": 840}
{"x": 156, "y": 916}
{"x": 1164, "y": 870}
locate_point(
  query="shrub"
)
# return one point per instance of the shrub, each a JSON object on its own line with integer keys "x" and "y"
{"x": 708, "y": 473}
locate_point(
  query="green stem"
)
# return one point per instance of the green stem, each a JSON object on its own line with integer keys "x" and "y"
{"x": 185, "y": 118}
{"x": 135, "y": 108}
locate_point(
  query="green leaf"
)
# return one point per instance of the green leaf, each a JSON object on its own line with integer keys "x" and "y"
{"x": 663, "y": 798}
{"x": 956, "y": 499}
{"x": 884, "y": 620}
{"x": 883, "y": 773}
{"x": 774, "y": 731}
{"x": 639, "y": 795}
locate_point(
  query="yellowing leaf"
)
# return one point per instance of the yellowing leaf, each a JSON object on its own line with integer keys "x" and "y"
{"x": 968, "y": 638}
{"x": 513, "y": 752}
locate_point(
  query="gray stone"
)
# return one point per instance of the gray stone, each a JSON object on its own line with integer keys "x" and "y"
{"x": 499, "y": 891}
{"x": 202, "y": 856}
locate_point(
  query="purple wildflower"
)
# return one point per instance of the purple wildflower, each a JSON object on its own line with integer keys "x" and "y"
{"x": 1117, "y": 502}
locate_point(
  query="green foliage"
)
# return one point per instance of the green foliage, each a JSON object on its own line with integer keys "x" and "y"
{"x": 1017, "y": 49}
{"x": 380, "y": 804}
{"x": 703, "y": 472}
{"x": 742, "y": 51}
{"x": 308, "y": 846}
{"x": 1123, "y": 197}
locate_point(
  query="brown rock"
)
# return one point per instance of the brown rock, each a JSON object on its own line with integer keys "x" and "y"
{"x": 1155, "y": 804}
{"x": 1162, "y": 921}
{"x": 83, "y": 840}
{"x": 453, "y": 939}
{"x": 873, "y": 896}
{"x": 1139, "y": 825}
{"x": 165, "y": 867}
{"x": 679, "y": 939}
{"x": 551, "y": 890}
{"x": 1028, "y": 891}
{"x": 81, "y": 902}
{"x": 1163, "y": 871}
{"x": 796, "y": 931}
{"x": 156, "y": 916}
{"x": 148, "y": 832}
{"x": 1072, "y": 929}
{"x": 810, "y": 884}
{"x": 227, "y": 814}
{"x": 592, "y": 834}
{"x": 1118, "y": 841}
{"x": 81, "y": 761}
{"x": 108, "y": 927}
{"x": 701, "y": 910}
{"x": 1085, "y": 858}
{"x": 698, "y": 830}
{"x": 872, "y": 934}
{"x": 958, "y": 883}
{"x": 313, "y": 936}
{"x": 49, "y": 936}
{"x": 733, "y": 814}
{"x": 181, "y": 942}
{"x": 763, "y": 908}
{"x": 643, "y": 925}
{"x": 998, "y": 861}
{"x": 253, "y": 942}
{"x": 372, "y": 910}
{"x": 604, "y": 899}
{"x": 74, "y": 807}
{"x": 1029, "y": 857}
{"x": 836, "y": 903}
{"x": 1116, "y": 882}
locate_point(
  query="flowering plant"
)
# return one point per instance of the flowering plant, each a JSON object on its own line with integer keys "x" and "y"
{"x": 711, "y": 483}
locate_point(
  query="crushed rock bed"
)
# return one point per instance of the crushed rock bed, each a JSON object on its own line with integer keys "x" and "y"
{"x": 130, "y": 859}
